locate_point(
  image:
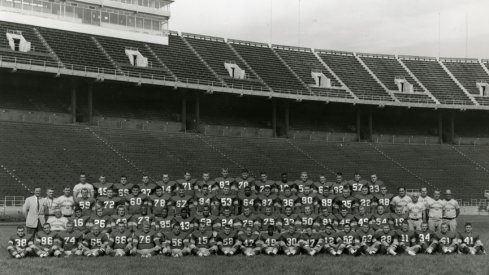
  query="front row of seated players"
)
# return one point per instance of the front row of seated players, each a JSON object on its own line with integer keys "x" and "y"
{"x": 175, "y": 238}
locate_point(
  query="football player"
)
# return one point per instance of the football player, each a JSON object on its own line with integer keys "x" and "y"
{"x": 322, "y": 187}
{"x": 375, "y": 184}
{"x": 121, "y": 216}
{"x": 79, "y": 221}
{"x": 187, "y": 223}
{"x": 44, "y": 244}
{"x": 288, "y": 198}
{"x": 339, "y": 184}
{"x": 187, "y": 183}
{"x": 263, "y": 182}
{"x": 244, "y": 181}
{"x": 367, "y": 239}
{"x": 167, "y": 185}
{"x": 270, "y": 241}
{"x": 287, "y": 219}
{"x": 71, "y": 240}
{"x": 247, "y": 199}
{"x": 120, "y": 241}
{"x": 303, "y": 181}
{"x": 177, "y": 243}
{"x": 383, "y": 198}
{"x": 136, "y": 221}
{"x": 379, "y": 218}
{"x": 110, "y": 202}
{"x": 227, "y": 241}
{"x": 291, "y": 241}
{"x": 283, "y": 183}
{"x": 101, "y": 187}
{"x": 397, "y": 218}
{"x": 135, "y": 200}
{"x": 344, "y": 217}
{"x": 146, "y": 187}
{"x": 312, "y": 242}
{"x": 387, "y": 241}
{"x": 206, "y": 182}
{"x": 308, "y": 198}
{"x": 364, "y": 198}
{"x": 202, "y": 241}
{"x": 227, "y": 199}
{"x": 309, "y": 219}
{"x": 123, "y": 188}
{"x": 350, "y": 243}
{"x": 362, "y": 217}
{"x": 447, "y": 240}
{"x": 469, "y": 242}
{"x": 225, "y": 180}
{"x": 247, "y": 219}
{"x": 426, "y": 239}
{"x": 357, "y": 184}
{"x": 95, "y": 243}
{"x": 146, "y": 242}
{"x": 103, "y": 222}
{"x": 183, "y": 199}
{"x": 345, "y": 200}
{"x": 164, "y": 222}
{"x": 331, "y": 241}
{"x": 20, "y": 245}
{"x": 85, "y": 202}
{"x": 406, "y": 240}
{"x": 159, "y": 200}
{"x": 204, "y": 198}
{"x": 249, "y": 242}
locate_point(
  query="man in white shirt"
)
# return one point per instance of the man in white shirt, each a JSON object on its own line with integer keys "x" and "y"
{"x": 48, "y": 203}
{"x": 57, "y": 222}
{"x": 65, "y": 202}
{"x": 416, "y": 213}
{"x": 401, "y": 200}
{"x": 451, "y": 210}
{"x": 435, "y": 212}
{"x": 34, "y": 212}
{"x": 424, "y": 198}
{"x": 83, "y": 184}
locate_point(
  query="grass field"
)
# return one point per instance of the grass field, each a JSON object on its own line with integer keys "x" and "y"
{"x": 419, "y": 265}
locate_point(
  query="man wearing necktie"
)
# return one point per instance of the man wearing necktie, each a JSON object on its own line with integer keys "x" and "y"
{"x": 33, "y": 210}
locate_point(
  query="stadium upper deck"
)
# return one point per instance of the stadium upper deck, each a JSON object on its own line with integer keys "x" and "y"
{"x": 214, "y": 64}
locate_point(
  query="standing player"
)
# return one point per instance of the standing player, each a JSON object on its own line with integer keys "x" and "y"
{"x": 383, "y": 198}
{"x": 469, "y": 243}
{"x": 303, "y": 181}
{"x": 167, "y": 185}
{"x": 451, "y": 210}
{"x": 288, "y": 198}
{"x": 364, "y": 198}
{"x": 322, "y": 187}
{"x": 308, "y": 218}
{"x": 146, "y": 187}
{"x": 291, "y": 241}
{"x": 44, "y": 244}
{"x": 101, "y": 187}
{"x": 402, "y": 199}
{"x": 244, "y": 181}
{"x": 379, "y": 218}
{"x": 288, "y": 218}
{"x": 206, "y": 182}
{"x": 308, "y": 198}
{"x": 266, "y": 199}
{"x": 344, "y": 217}
{"x": 183, "y": 200}
{"x": 375, "y": 184}
{"x": 135, "y": 200}
{"x": 83, "y": 184}
{"x": 387, "y": 240}
{"x": 264, "y": 182}
{"x": 447, "y": 240}
{"x": 249, "y": 242}
{"x": 146, "y": 242}
{"x": 227, "y": 241}
{"x": 20, "y": 244}
{"x": 176, "y": 243}
{"x": 123, "y": 188}
{"x": 158, "y": 201}
{"x": 247, "y": 199}
{"x": 283, "y": 183}
{"x": 270, "y": 241}
{"x": 65, "y": 202}
{"x": 406, "y": 239}
{"x": 345, "y": 200}
{"x": 339, "y": 184}
{"x": 204, "y": 198}
{"x": 225, "y": 180}
{"x": 227, "y": 199}
{"x": 435, "y": 211}
{"x": 187, "y": 183}
{"x": 426, "y": 239}
{"x": 366, "y": 235}
{"x": 202, "y": 241}
{"x": 70, "y": 241}
{"x": 416, "y": 212}
{"x": 110, "y": 202}
{"x": 120, "y": 241}
{"x": 85, "y": 202}
{"x": 357, "y": 184}
{"x": 95, "y": 243}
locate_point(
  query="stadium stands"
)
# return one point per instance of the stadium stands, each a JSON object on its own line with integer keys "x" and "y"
{"x": 387, "y": 69}
{"x": 269, "y": 67}
{"x": 39, "y": 154}
{"x": 216, "y": 52}
{"x": 179, "y": 59}
{"x": 354, "y": 75}
{"x": 436, "y": 80}
{"x": 303, "y": 62}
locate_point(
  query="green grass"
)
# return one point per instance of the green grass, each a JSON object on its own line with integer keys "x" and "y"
{"x": 421, "y": 264}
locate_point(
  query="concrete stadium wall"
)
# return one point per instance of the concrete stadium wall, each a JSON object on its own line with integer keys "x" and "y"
{"x": 34, "y": 117}
{"x": 121, "y": 123}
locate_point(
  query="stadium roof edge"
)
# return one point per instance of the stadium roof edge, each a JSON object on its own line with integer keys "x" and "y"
{"x": 320, "y": 51}
{"x": 291, "y": 48}
{"x": 248, "y": 43}
{"x": 170, "y": 32}
{"x": 414, "y": 57}
{"x": 203, "y": 37}
{"x": 377, "y": 55}
{"x": 459, "y": 60}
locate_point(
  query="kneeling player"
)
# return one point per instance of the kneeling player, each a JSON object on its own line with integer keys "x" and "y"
{"x": 312, "y": 242}
{"x": 176, "y": 242}
{"x": 20, "y": 244}
{"x": 227, "y": 241}
{"x": 146, "y": 242}
{"x": 470, "y": 242}
{"x": 291, "y": 243}
{"x": 45, "y": 244}
{"x": 387, "y": 240}
{"x": 120, "y": 241}
{"x": 249, "y": 242}
{"x": 95, "y": 243}
{"x": 406, "y": 240}
{"x": 270, "y": 241}
{"x": 447, "y": 240}
{"x": 202, "y": 241}
{"x": 368, "y": 243}
{"x": 350, "y": 242}
{"x": 71, "y": 240}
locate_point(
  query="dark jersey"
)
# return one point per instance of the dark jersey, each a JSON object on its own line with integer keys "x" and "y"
{"x": 397, "y": 219}
{"x": 289, "y": 220}
{"x": 93, "y": 241}
{"x": 312, "y": 240}
{"x": 291, "y": 240}
{"x": 202, "y": 239}
{"x": 299, "y": 184}
{"x": 241, "y": 183}
{"x": 20, "y": 242}
{"x": 123, "y": 189}
{"x": 326, "y": 201}
{"x": 110, "y": 204}
{"x": 384, "y": 200}
{"x": 388, "y": 237}
{"x": 308, "y": 220}
{"x": 272, "y": 240}
{"x": 104, "y": 222}
{"x": 260, "y": 185}
{"x": 363, "y": 219}
{"x": 322, "y": 188}
{"x": 164, "y": 224}
{"x": 177, "y": 241}
{"x": 249, "y": 240}
{"x": 135, "y": 203}
{"x": 168, "y": 187}
{"x": 406, "y": 237}
{"x": 101, "y": 189}
{"x": 225, "y": 182}
{"x": 85, "y": 205}
{"x": 227, "y": 240}
{"x": 209, "y": 221}
{"x": 147, "y": 189}
{"x": 125, "y": 219}
{"x": 46, "y": 240}
{"x": 146, "y": 240}
{"x": 70, "y": 240}
{"x": 366, "y": 238}
{"x": 288, "y": 201}
{"x": 365, "y": 201}
{"x": 374, "y": 187}
{"x": 79, "y": 223}
{"x": 356, "y": 186}
{"x": 348, "y": 238}
{"x": 158, "y": 203}
{"x": 425, "y": 237}
{"x": 470, "y": 239}
{"x": 120, "y": 239}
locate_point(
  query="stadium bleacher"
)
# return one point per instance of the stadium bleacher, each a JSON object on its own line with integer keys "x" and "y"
{"x": 354, "y": 75}
{"x": 303, "y": 62}
{"x": 267, "y": 65}
{"x": 41, "y": 154}
{"x": 216, "y": 52}
{"x": 387, "y": 68}
{"x": 436, "y": 80}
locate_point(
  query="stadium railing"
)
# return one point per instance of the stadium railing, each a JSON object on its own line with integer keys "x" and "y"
{"x": 11, "y": 202}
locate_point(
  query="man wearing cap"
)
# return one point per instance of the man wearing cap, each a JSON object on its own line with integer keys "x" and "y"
{"x": 451, "y": 210}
